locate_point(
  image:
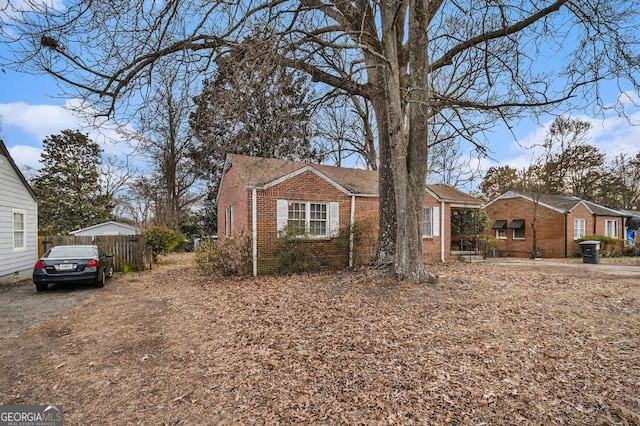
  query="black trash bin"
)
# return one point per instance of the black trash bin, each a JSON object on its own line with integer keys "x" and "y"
{"x": 590, "y": 251}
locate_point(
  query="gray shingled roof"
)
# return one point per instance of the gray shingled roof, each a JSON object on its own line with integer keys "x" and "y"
{"x": 565, "y": 203}
{"x": 257, "y": 172}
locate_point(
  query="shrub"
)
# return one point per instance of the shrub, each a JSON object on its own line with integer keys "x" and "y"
{"x": 161, "y": 239}
{"x": 230, "y": 256}
{"x": 364, "y": 240}
{"x": 296, "y": 253}
{"x": 609, "y": 247}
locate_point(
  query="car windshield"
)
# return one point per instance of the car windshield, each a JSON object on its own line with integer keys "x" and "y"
{"x": 71, "y": 251}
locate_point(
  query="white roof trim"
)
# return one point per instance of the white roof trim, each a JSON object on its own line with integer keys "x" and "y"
{"x": 512, "y": 194}
{"x": 586, "y": 206}
{"x": 433, "y": 194}
{"x": 124, "y": 225}
{"x": 304, "y": 169}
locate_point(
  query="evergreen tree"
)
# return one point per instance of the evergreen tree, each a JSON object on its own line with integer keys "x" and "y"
{"x": 68, "y": 185}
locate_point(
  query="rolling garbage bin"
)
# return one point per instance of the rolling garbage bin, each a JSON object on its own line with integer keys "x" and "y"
{"x": 590, "y": 251}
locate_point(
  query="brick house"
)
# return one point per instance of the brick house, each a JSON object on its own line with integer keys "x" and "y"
{"x": 263, "y": 197}
{"x": 561, "y": 221}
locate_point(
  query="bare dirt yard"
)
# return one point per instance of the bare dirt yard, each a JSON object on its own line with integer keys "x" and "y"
{"x": 489, "y": 344}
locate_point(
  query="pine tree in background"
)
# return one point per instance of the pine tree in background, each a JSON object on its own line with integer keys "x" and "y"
{"x": 68, "y": 185}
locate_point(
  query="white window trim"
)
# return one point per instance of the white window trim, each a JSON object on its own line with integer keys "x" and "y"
{"x": 519, "y": 238}
{"x": 435, "y": 222}
{"x": 606, "y": 228}
{"x": 583, "y": 227}
{"x": 333, "y": 218}
{"x": 503, "y": 232}
{"x": 23, "y": 230}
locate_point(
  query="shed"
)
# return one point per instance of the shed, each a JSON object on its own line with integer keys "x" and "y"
{"x": 107, "y": 228}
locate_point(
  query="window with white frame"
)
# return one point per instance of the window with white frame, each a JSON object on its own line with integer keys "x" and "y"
{"x": 501, "y": 228}
{"x": 517, "y": 225}
{"x": 430, "y": 222}
{"x": 611, "y": 228}
{"x": 19, "y": 230}
{"x": 313, "y": 219}
{"x": 579, "y": 229}
{"x": 297, "y": 217}
{"x": 229, "y": 218}
{"x": 318, "y": 219}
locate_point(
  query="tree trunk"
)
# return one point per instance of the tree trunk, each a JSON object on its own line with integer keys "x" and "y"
{"x": 387, "y": 221}
{"x": 403, "y": 152}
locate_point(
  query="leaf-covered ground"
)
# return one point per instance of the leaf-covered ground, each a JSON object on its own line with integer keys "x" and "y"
{"x": 490, "y": 344}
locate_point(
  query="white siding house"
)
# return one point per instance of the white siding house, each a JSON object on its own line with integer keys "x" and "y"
{"x": 107, "y": 228}
{"x": 18, "y": 222}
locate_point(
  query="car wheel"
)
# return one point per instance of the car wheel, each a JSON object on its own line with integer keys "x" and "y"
{"x": 102, "y": 279}
{"x": 110, "y": 273}
{"x": 42, "y": 286}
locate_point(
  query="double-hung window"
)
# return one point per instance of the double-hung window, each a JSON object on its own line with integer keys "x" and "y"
{"x": 19, "y": 230}
{"x": 430, "y": 222}
{"x": 611, "y": 228}
{"x": 313, "y": 219}
{"x": 318, "y": 219}
{"x": 578, "y": 229}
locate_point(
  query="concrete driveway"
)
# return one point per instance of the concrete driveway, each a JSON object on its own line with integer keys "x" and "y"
{"x": 628, "y": 268}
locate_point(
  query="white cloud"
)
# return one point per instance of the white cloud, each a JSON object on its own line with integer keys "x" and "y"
{"x": 27, "y": 125}
{"x": 612, "y": 135}
{"x": 39, "y": 121}
{"x": 24, "y": 155}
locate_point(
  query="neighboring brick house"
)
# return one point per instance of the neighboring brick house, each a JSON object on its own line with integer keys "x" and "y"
{"x": 561, "y": 221}
{"x": 262, "y": 197}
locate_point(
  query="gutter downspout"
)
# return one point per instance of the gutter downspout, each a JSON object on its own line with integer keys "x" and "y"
{"x": 352, "y": 221}
{"x": 442, "y": 238}
{"x": 566, "y": 236}
{"x": 254, "y": 231}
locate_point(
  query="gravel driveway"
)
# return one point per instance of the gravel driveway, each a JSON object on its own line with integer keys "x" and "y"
{"x": 22, "y": 307}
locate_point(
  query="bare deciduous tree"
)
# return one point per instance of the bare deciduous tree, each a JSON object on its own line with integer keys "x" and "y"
{"x": 163, "y": 136}
{"x": 412, "y": 60}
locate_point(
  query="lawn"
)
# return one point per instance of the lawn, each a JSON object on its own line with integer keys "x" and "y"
{"x": 488, "y": 344}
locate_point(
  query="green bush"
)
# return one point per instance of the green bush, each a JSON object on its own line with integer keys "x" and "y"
{"x": 609, "y": 247}
{"x": 230, "y": 256}
{"x": 162, "y": 240}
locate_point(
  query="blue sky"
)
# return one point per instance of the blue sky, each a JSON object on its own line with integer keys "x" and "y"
{"x": 31, "y": 109}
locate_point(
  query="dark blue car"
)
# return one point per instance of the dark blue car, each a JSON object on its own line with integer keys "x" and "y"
{"x": 79, "y": 263}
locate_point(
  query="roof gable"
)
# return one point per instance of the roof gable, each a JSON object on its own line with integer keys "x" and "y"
{"x": 453, "y": 195}
{"x": 262, "y": 173}
{"x": 562, "y": 203}
{"x": 5, "y": 152}
{"x": 121, "y": 225}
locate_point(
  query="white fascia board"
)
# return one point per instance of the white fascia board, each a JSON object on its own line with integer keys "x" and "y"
{"x": 302, "y": 170}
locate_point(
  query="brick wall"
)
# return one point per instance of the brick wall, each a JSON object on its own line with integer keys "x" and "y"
{"x": 550, "y": 225}
{"x": 579, "y": 212}
{"x": 431, "y": 245}
{"x": 235, "y": 195}
{"x": 306, "y": 187}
